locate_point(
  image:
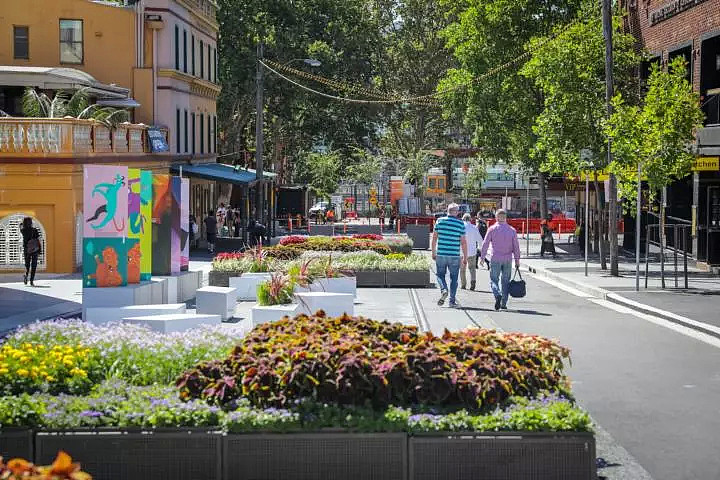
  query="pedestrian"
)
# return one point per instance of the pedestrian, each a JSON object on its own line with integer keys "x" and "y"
{"x": 449, "y": 250}
{"x": 472, "y": 239}
{"x": 193, "y": 231}
{"x": 581, "y": 237}
{"x": 238, "y": 222}
{"x": 32, "y": 247}
{"x": 230, "y": 222}
{"x": 505, "y": 246}
{"x": 211, "y": 224}
{"x": 381, "y": 217}
{"x": 393, "y": 217}
{"x": 331, "y": 215}
{"x": 547, "y": 242}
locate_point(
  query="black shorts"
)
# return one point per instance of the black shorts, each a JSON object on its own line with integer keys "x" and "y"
{"x": 211, "y": 237}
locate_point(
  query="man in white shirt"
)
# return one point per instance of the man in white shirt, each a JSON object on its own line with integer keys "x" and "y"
{"x": 473, "y": 237}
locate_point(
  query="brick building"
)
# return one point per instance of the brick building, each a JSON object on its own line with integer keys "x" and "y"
{"x": 667, "y": 29}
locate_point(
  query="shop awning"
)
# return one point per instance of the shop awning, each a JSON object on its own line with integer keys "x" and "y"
{"x": 220, "y": 172}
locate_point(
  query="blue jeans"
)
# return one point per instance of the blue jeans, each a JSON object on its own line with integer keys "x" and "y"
{"x": 498, "y": 270}
{"x": 444, "y": 263}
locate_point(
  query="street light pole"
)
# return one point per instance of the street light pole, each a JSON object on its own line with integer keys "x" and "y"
{"x": 259, "y": 140}
{"x": 637, "y": 228}
{"x": 527, "y": 218}
{"x": 587, "y": 218}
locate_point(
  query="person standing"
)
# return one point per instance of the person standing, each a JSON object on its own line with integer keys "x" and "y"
{"x": 546, "y": 236}
{"x": 381, "y": 217}
{"x": 211, "y": 231}
{"x": 32, "y": 247}
{"x": 505, "y": 246}
{"x": 473, "y": 239}
{"x": 230, "y": 222}
{"x": 449, "y": 250}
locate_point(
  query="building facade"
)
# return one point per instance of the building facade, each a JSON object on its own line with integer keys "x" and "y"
{"x": 689, "y": 28}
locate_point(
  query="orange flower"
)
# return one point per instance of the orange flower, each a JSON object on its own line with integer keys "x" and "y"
{"x": 18, "y": 466}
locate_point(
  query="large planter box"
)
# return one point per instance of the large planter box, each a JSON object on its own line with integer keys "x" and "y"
{"x": 333, "y": 304}
{"x": 335, "y": 285}
{"x": 16, "y": 443}
{"x": 247, "y": 285}
{"x": 221, "y": 279}
{"x": 321, "y": 456}
{"x": 551, "y": 456}
{"x": 216, "y": 301}
{"x": 263, "y": 314}
{"x": 420, "y": 235}
{"x": 407, "y": 279}
{"x": 123, "y": 455}
{"x": 370, "y": 278}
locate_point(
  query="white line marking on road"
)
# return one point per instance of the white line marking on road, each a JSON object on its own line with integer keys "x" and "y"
{"x": 688, "y": 332}
{"x": 559, "y": 285}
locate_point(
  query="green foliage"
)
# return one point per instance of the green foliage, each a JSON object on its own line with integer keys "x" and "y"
{"x": 657, "y": 134}
{"x": 278, "y": 290}
{"x": 365, "y": 168}
{"x": 323, "y": 170}
{"x": 356, "y": 361}
{"x": 75, "y": 105}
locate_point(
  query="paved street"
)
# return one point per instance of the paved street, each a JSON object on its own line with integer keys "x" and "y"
{"x": 653, "y": 389}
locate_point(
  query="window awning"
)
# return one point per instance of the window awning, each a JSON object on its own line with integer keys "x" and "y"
{"x": 119, "y": 103}
{"x": 220, "y": 172}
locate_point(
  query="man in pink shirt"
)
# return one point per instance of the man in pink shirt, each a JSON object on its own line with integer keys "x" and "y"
{"x": 505, "y": 246}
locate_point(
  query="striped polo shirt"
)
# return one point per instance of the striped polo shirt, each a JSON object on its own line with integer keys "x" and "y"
{"x": 450, "y": 230}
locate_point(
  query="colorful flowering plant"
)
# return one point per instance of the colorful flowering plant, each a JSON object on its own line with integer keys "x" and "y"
{"x": 62, "y": 468}
{"x": 279, "y": 290}
{"x": 293, "y": 240}
{"x": 368, "y": 236}
{"x": 354, "y": 361}
{"x": 34, "y": 367}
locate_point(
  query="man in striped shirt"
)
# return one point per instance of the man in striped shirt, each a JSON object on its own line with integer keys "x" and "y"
{"x": 449, "y": 250}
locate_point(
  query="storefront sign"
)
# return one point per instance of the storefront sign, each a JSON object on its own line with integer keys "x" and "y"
{"x": 706, "y": 164}
{"x": 156, "y": 140}
{"x": 671, "y": 9}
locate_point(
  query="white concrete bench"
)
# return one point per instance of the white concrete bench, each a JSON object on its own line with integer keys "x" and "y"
{"x": 140, "y": 294}
{"x": 333, "y": 304}
{"x": 100, "y": 315}
{"x": 176, "y": 322}
{"x": 247, "y": 285}
{"x": 216, "y": 301}
{"x": 260, "y": 315}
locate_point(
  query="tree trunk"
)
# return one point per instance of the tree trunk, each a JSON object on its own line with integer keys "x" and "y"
{"x": 543, "y": 195}
{"x": 609, "y": 87}
{"x": 600, "y": 235}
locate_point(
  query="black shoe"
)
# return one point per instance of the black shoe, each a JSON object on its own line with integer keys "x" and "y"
{"x": 443, "y": 296}
{"x": 462, "y": 287}
{"x": 25, "y": 279}
{"x": 503, "y": 307}
{"x": 472, "y": 285}
{"x": 497, "y": 303}
{"x": 32, "y": 284}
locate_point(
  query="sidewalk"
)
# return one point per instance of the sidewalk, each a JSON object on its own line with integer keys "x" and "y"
{"x": 695, "y": 307}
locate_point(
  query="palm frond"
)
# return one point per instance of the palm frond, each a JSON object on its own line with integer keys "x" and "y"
{"x": 34, "y": 104}
{"x": 78, "y": 102}
{"x": 58, "y": 106}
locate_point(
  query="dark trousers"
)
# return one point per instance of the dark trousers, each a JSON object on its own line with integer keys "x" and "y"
{"x": 31, "y": 265}
{"x": 547, "y": 247}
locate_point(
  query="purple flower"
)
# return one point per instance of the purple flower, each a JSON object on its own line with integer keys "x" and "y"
{"x": 91, "y": 413}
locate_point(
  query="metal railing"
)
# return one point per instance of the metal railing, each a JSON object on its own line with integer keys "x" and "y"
{"x": 658, "y": 237}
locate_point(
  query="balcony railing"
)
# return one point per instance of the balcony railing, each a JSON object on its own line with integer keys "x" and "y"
{"x": 711, "y": 107}
{"x": 68, "y": 136}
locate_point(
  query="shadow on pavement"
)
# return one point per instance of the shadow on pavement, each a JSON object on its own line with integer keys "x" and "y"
{"x": 14, "y": 301}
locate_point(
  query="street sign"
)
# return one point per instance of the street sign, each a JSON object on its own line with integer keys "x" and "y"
{"x": 706, "y": 164}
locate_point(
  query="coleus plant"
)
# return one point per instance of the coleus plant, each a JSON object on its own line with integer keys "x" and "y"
{"x": 279, "y": 290}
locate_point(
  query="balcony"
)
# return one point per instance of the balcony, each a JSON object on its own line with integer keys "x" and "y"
{"x": 69, "y": 137}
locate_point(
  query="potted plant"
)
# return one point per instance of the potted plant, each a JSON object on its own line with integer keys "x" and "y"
{"x": 333, "y": 280}
{"x": 259, "y": 266}
{"x": 275, "y": 300}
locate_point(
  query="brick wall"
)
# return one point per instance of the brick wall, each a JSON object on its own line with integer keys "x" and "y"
{"x": 676, "y": 31}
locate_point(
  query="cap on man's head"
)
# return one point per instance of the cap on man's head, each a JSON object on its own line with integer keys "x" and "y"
{"x": 453, "y": 209}
{"x": 500, "y": 212}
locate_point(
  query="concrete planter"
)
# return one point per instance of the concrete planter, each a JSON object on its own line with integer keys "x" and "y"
{"x": 101, "y": 315}
{"x": 247, "y": 285}
{"x": 370, "y": 278}
{"x": 216, "y": 301}
{"x": 177, "y": 322}
{"x": 567, "y": 456}
{"x": 407, "y": 279}
{"x": 420, "y": 235}
{"x": 221, "y": 279}
{"x": 182, "y": 454}
{"x": 333, "y": 304}
{"x": 16, "y": 443}
{"x": 299, "y": 456}
{"x": 263, "y": 314}
{"x": 335, "y": 285}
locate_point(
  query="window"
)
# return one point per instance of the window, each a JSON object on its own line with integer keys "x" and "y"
{"x": 209, "y": 64}
{"x": 185, "y": 131}
{"x": 202, "y": 60}
{"x": 209, "y": 136}
{"x": 185, "y": 51}
{"x": 192, "y": 49}
{"x": 177, "y": 130}
{"x": 177, "y": 47}
{"x": 202, "y": 133}
{"x": 71, "y": 41}
{"x": 192, "y": 118}
{"x": 21, "y": 36}
{"x": 215, "y": 56}
{"x": 215, "y": 133}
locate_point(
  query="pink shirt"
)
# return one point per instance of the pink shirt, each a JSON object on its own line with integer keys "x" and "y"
{"x": 505, "y": 245}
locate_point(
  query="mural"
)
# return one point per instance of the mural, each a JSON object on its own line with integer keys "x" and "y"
{"x": 105, "y": 198}
{"x": 175, "y": 237}
{"x": 140, "y": 216}
{"x": 161, "y": 225}
{"x": 105, "y": 262}
{"x": 185, "y": 225}
{"x": 133, "y": 260}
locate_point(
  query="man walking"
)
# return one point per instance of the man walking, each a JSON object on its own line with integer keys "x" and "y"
{"x": 449, "y": 250}
{"x": 505, "y": 246}
{"x": 472, "y": 239}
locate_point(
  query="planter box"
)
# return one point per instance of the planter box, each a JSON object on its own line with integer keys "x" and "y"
{"x": 333, "y": 304}
{"x": 16, "y": 443}
{"x": 407, "y": 279}
{"x": 420, "y": 235}
{"x": 101, "y": 315}
{"x": 123, "y": 455}
{"x": 178, "y": 322}
{"x": 325, "y": 456}
{"x": 370, "y": 278}
{"x": 321, "y": 230}
{"x": 551, "y": 456}
{"x": 221, "y": 279}
{"x": 247, "y": 285}
{"x": 216, "y": 301}
{"x": 335, "y": 285}
{"x": 260, "y": 314}
{"x": 138, "y": 294}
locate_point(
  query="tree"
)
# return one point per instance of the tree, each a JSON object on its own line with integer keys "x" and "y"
{"x": 322, "y": 172}
{"x": 365, "y": 167}
{"x": 569, "y": 70}
{"x": 475, "y": 176}
{"x": 656, "y": 134}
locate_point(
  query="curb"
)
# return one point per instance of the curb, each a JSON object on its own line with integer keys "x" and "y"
{"x": 617, "y": 299}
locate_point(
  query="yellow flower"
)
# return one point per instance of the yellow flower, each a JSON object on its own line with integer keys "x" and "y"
{"x": 50, "y": 378}
{"x": 22, "y": 372}
{"x": 24, "y": 359}
{"x": 78, "y": 372}
{"x": 3, "y": 371}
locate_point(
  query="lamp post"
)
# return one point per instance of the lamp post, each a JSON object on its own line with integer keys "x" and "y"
{"x": 310, "y": 61}
{"x": 637, "y": 228}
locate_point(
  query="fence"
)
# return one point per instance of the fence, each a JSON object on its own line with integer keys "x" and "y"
{"x": 678, "y": 238}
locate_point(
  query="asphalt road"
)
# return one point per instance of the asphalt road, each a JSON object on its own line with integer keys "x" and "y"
{"x": 654, "y": 390}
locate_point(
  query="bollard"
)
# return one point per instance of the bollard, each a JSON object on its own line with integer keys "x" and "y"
{"x": 290, "y": 223}
{"x": 345, "y": 228}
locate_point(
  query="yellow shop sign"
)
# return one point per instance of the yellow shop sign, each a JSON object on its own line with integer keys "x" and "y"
{"x": 706, "y": 164}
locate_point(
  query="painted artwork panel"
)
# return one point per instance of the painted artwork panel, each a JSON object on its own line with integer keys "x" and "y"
{"x": 105, "y": 201}
{"x": 105, "y": 262}
{"x": 175, "y": 236}
{"x": 161, "y": 224}
{"x": 146, "y": 195}
{"x": 185, "y": 225}
{"x": 134, "y": 256}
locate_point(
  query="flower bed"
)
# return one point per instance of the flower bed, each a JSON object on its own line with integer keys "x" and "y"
{"x": 378, "y": 243}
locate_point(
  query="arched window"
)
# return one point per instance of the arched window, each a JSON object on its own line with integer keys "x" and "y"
{"x": 11, "y": 245}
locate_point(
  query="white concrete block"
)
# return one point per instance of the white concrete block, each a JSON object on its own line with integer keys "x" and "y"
{"x": 247, "y": 285}
{"x": 178, "y": 322}
{"x": 216, "y": 301}
{"x": 334, "y": 304}
{"x": 188, "y": 283}
{"x": 335, "y": 285}
{"x": 159, "y": 291}
{"x": 100, "y": 315}
{"x": 137, "y": 294}
{"x": 260, "y": 315}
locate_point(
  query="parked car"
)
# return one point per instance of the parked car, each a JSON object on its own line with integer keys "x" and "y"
{"x": 319, "y": 207}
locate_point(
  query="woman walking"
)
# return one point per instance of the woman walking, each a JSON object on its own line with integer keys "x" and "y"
{"x": 548, "y": 243}
{"x": 31, "y": 249}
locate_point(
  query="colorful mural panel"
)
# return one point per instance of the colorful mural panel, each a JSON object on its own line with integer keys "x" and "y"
{"x": 105, "y": 262}
{"x": 140, "y": 217}
{"x": 185, "y": 225}
{"x": 175, "y": 241}
{"x": 105, "y": 198}
{"x": 161, "y": 225}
